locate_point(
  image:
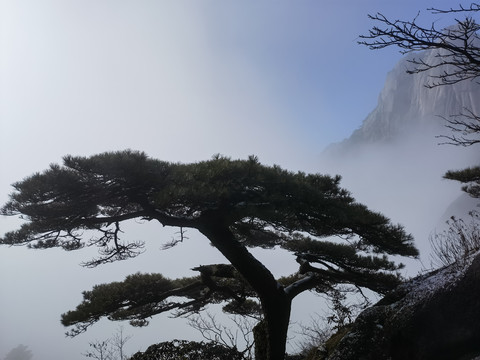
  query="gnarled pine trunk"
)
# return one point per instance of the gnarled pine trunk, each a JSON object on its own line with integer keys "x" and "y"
{"x": 275, "y": 302}
{"x": 270, "y": 335}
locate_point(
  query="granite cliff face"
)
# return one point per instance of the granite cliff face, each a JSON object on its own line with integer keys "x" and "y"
{"x": 434, "y": 316}
{"x": 394, "y": 164}
{"x": 407, "y": 107}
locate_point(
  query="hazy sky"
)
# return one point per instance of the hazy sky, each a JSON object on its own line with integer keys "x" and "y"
{"x": 181, "y": 80}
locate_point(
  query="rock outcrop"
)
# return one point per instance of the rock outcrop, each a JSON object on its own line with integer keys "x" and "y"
{"x": 434, "y": 316}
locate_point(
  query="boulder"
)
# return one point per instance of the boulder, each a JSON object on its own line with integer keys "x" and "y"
{"x": 433, "y": 316}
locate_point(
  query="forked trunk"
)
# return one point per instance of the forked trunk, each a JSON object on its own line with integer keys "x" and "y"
{"x": 275, "y": 302}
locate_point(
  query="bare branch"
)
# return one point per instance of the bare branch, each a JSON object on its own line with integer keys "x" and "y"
{"x": 100, "y": 350}
{"x": 461, "y": 8}
{"x": 467, "y": 124}
{"x": 117, "y": 251}
{"x": 213, "y": 331}
{"x": 175, "y": 241}
{"x": 458, "y": 242}
{"x": 458, "y": 56}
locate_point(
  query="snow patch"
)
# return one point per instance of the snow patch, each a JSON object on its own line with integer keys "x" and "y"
{"x": 428, "y": 285}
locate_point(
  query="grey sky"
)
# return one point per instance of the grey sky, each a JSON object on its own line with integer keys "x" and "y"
{"x": 181, "y": 80}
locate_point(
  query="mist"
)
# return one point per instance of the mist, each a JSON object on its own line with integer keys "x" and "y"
{"x": 183, "y": 82}
{"x": 404, "y": 181}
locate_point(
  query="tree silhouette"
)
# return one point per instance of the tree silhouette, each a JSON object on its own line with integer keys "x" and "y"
{"x": 21, "y": 352}
{"x": 187, "y": 350}
{"x": 236, "y": 205}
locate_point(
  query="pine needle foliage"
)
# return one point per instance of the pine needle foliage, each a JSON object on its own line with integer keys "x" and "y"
{"x": 236, "y": 205}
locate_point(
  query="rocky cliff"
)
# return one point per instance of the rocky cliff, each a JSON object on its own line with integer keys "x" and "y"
{"x": 407, "y": 107}
{"x": 394, "y": 163}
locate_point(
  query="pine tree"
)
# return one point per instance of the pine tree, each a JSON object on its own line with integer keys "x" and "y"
{"x": 236, "y": 205}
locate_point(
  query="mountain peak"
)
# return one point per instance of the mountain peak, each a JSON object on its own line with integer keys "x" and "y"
{"x": 406, "y": 106}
